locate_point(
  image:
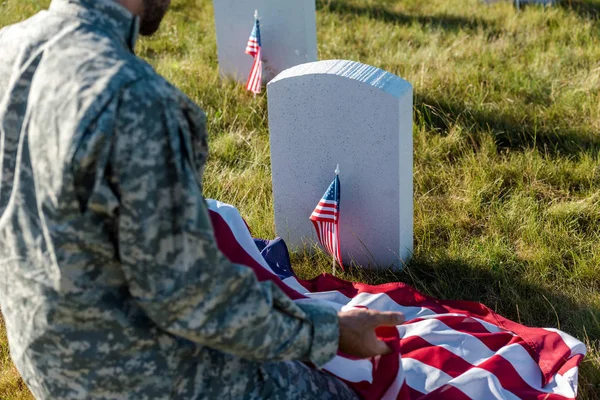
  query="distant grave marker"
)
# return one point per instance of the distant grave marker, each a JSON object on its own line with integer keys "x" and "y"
{"x": 520, "y": 3}
{"x": 288, "y": 32}
{"x": 359, "y": 116}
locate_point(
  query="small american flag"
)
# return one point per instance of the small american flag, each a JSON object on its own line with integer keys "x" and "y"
{"x": 253, "y": 48}
{"x": 326, "y": 218}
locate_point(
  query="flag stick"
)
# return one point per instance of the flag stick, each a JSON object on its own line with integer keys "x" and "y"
{"x": 333, "y": 254}
{"x": 255, "y": 18}
{"x": 337, "y": 172}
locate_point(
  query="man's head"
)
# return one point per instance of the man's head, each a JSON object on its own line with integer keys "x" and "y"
{"x": 151, "y": 13}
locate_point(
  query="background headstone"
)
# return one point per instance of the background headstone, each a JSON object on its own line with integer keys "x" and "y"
{"x": 288, "y": 34}
{"x": 359, "y": 116}
{"x": 520, "y": 3}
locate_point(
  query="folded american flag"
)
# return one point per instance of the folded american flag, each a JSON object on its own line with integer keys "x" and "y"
{"x": 254, "y": 49}
{"x": 445, "y": 350}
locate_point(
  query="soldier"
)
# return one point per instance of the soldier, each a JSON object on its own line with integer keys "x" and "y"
{"x": 112, "y": 286}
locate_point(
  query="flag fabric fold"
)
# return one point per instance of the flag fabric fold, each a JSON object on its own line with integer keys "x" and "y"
{"x": 326, "y": 218}
{"x": 254, "y": 48}
{"x": 446, "y": 349}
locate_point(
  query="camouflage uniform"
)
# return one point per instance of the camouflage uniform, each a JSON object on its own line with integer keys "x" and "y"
{"x": 110, "y": 282}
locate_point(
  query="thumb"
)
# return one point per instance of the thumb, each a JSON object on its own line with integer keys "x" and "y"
{"x": 389, "y": 318}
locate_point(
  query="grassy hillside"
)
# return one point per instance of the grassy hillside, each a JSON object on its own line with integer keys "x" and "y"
{"x": 507, "y": 147}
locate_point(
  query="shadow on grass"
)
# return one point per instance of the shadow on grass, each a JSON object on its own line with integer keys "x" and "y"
{"x": 503, "y": 289}
{"x": 584, "y": 8}
{"x": 509, "y": 132}
{"x": 381, "y": 13}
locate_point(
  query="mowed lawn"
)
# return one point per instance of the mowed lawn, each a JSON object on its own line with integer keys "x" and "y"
{"x": 506, "y": 147}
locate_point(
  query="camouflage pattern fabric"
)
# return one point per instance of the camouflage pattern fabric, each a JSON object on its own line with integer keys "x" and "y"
{"x": 110, "y": 281}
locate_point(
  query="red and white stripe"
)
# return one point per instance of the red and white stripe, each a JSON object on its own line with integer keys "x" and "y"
{"x": 328, "y": 236}
{"x": 446, "y": 349}
{"x": 325, "y": 219}
{"x": 326, "y": 210}
{"x": 255, "y": 78}
{"x": 252, "y": 47}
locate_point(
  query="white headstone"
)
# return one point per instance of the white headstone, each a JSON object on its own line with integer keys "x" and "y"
{"x": 519, "y": 3}
{"x": 288, "y": 35}
{"x": 336, "y": 111}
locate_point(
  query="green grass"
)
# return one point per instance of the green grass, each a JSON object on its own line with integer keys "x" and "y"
{"x": 507, "y": 147}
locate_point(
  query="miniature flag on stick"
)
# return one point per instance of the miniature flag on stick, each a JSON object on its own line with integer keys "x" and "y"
{"x": 253, "y": 48}
{"x": 326, "y": 218}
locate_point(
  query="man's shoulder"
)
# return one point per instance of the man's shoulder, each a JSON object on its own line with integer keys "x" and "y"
{"x": 97, "y": 63}
{"x": 153, "y": 89}
{"x": 114, "y": 72}
{"x": 12, "y": 39}
{"x": 69, "y": 57}
{"x": 22, "y": 28}
{"x": 82, "y": 66}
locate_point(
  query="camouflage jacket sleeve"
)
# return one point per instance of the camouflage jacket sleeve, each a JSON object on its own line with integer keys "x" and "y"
{"x": 172, "y": 265}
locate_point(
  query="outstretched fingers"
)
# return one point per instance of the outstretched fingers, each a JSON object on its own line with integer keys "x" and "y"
{"x": 388, "y": 318}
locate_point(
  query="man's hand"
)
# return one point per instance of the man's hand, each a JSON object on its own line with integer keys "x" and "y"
{"x": 357, "y": 331}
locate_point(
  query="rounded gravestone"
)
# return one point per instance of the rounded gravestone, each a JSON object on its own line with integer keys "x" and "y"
{"x": 359, "y": 116}
{"x": 288, "y": 34}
